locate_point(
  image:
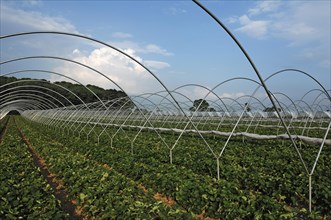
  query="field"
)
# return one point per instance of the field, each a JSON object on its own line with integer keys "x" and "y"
{"x": 52, "y": 173}
{"x": 207, "y": 110}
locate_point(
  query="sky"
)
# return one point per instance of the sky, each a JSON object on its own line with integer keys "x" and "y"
{"x": 176, "y": 40}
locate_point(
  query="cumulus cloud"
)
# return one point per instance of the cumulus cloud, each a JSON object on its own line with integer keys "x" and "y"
{"x": 125, "y": 72}
{"x": 258, "y": 28}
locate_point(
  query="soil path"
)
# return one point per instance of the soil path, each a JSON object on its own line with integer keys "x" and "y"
{"x": 57, "y": 185}
{"x": 3, "y": 131}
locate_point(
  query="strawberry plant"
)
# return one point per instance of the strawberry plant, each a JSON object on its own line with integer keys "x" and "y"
{"x": 256, "y": 179}
{"x": 24, "y": 192}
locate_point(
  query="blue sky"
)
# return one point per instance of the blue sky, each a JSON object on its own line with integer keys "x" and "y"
{"x": 177, "y": 40}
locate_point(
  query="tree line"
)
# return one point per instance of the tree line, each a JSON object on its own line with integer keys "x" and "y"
{"x": 84, "y": 94}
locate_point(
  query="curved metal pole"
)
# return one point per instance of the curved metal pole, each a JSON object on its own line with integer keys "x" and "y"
{"x": 258, "y": 75}
{"x": 40, "y": 87}
{"x": 204, "y": 87}
{"x": 20, "y": 107}
{"x": 300, "y": 71}
{"x": 100, "y": 42}
{"x": 56, "y": 73}
{"x": 63, "y": 59}
{"x": 27, "y": 101}
{"x": 39, "y": 98}
{"x": 69, "y": 60}
{"x": 312, "y": 90}
{"x": 54, "y": 84}
{"x": 37, "y": 80}
{"x": 118, "y": 50}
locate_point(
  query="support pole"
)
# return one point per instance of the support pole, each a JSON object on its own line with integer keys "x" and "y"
{"x": 132, "y": 148}
{"x": 218, "y": 168}
{"x": 310, "y": 189}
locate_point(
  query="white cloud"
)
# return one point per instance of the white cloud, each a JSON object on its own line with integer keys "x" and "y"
{"x": 147, "y": 49}
{"x": 264, "y": 7}
{"x": 231, "y": 20}
{"x": 153, "y": 48}
{"x": 121, "y": 35}
{"x": 156, "y": 64}
{"x": 297, "y": 33}
{"x": 76, "y": 52}
{"x": 258, "y": 28}
{"x": 176, "y": 11}
{"x": 232, "y": 95}
{"x": 195, "y": 92}
{"x": 17, "y": 20}
{"x": 125, "y": 72}
{"x": 32, "y": 2}
{"x": 299, "y": 22}
{"x": 303, "y": 24}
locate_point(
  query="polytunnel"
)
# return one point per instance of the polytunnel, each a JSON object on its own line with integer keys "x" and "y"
{"x": 169, "y": 118}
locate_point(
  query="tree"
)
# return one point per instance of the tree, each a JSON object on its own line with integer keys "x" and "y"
{"x": 271, "y": 109}
{"x": 200, "y": 105}
{"x": 248, "y": 108}
{"x": 79, "y": 90}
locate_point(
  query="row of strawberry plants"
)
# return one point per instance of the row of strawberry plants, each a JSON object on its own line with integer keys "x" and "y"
{"x": 223, "y": 199}
{"x": 270, "y": 167}
{"x": 3, "y": 124}
{"x": 24, "y": 192}
{"x": 100, "y": 190}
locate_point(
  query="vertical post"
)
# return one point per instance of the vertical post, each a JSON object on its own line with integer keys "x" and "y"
{"x": 170, "y": 155}
{"x": 218, "y": 168}
{"x": 310, "y": 192}
{"x": 132, "y": 148}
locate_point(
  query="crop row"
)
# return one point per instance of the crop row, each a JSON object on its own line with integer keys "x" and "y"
{"x": 270, "y": 167}
{"x": 3, "y": 124}
{"x": 101, "y": 191}
{"x": 24, "y": 192}
{"x": 305, "y": 126}
{"x": 245, "y": 190}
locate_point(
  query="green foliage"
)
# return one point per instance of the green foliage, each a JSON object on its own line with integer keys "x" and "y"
{"x": 272, "y": 109}
{"x": 83, "y": 93}
{"x": 24, "y": 193}
{"x": 102, "y": 192}
{"x": 258, "y": 180}
{"x": 201, "y": 105}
